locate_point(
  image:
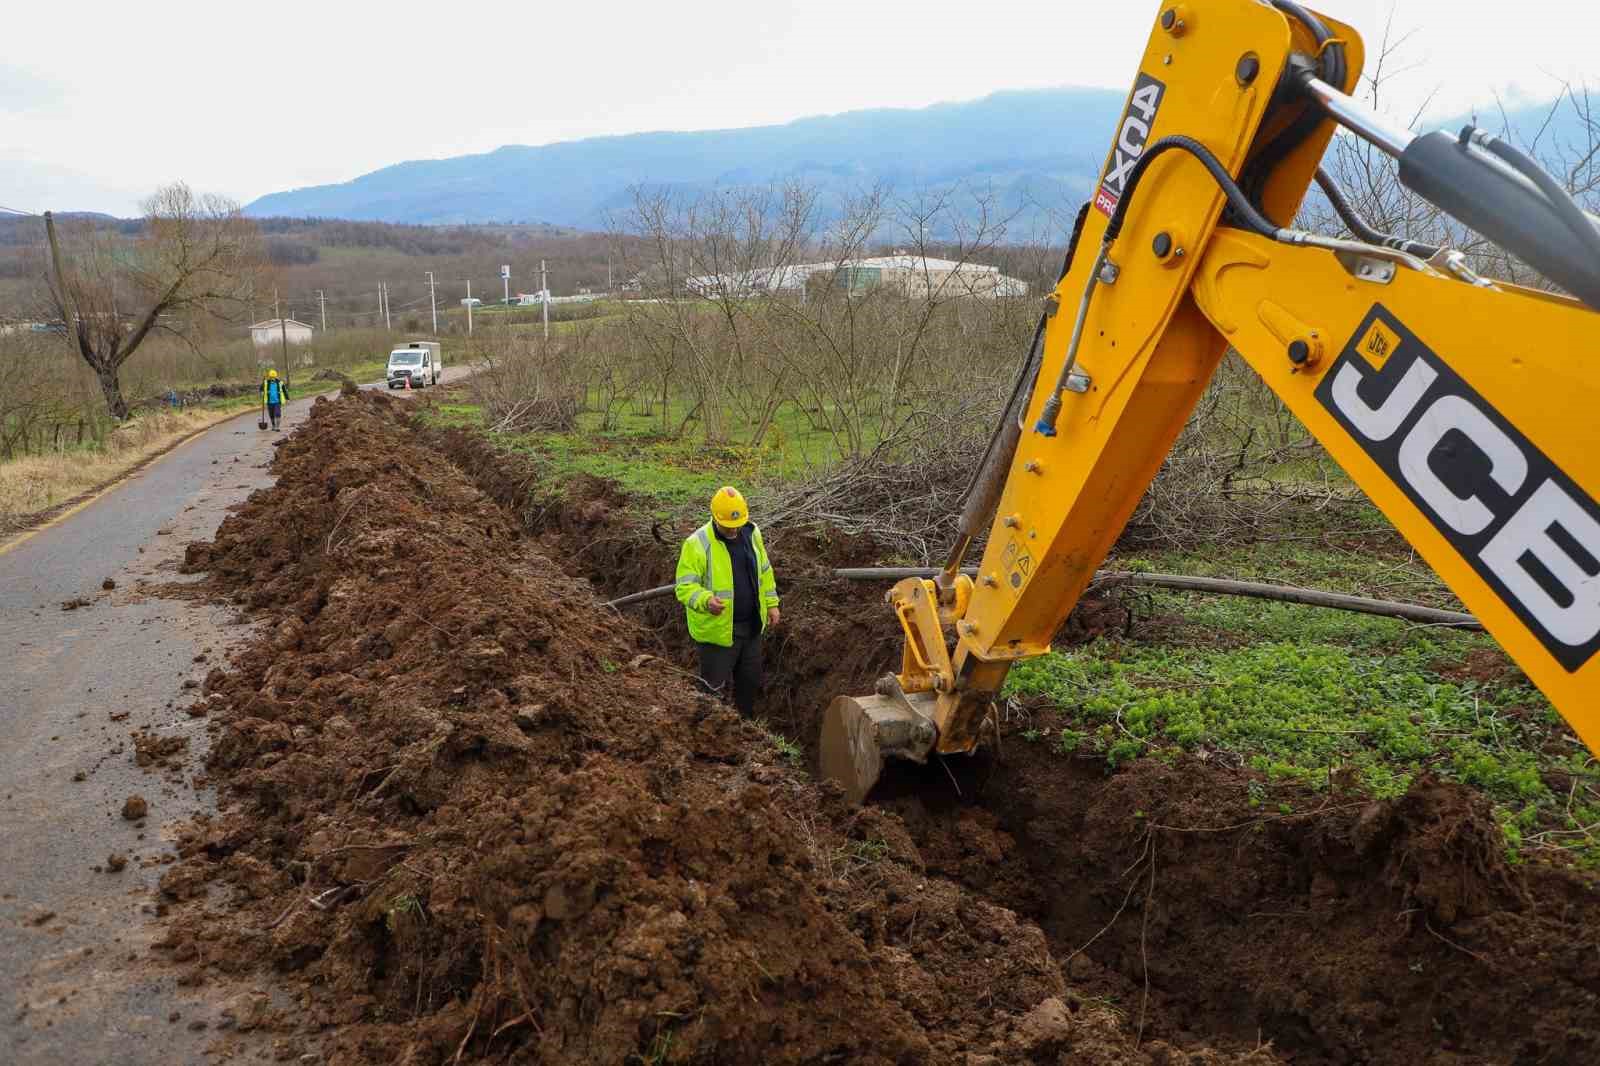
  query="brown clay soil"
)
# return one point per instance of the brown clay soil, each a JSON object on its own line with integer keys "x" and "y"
{"x": 472, "y": 815}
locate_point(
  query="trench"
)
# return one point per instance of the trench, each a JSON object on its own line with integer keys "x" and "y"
{"x": 1352, "y": 932}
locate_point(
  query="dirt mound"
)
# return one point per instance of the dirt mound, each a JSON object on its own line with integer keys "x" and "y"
{"x": 1353, "y": 931}
{"x": 466, "y": 819}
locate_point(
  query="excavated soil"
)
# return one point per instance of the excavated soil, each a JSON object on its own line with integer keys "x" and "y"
{"x": 470, "y": 815}
{"x": 1350, "y": 931}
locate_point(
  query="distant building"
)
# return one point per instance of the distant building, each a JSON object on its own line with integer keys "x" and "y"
{"x": 914, "y": 276}
{"x": 271, "y": 332}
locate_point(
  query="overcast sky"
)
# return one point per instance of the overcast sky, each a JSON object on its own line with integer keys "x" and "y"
{"x": 101, "y": 102}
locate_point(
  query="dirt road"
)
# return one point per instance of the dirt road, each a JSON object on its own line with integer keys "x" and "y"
{"x": 76, "y": 684}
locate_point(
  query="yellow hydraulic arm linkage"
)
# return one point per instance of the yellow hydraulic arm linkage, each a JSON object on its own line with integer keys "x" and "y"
{"x": 1469, "y": 411}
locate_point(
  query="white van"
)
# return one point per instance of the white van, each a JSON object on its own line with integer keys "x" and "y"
{"x": 419, "y": 361}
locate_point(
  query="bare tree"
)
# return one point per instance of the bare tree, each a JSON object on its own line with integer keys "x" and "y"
{"x": 194, "y": 258}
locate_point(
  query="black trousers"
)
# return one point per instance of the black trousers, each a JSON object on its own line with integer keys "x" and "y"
{"x": 274, "y": 411}
{"x": 738, "y": 667}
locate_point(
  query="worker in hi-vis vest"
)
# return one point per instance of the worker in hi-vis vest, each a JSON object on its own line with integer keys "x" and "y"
{"x": 273, "y": 393}
{"x": 728, "y": 591}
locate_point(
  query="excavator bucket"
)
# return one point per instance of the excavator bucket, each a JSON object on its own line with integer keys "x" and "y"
{"x": 859, "y": 732}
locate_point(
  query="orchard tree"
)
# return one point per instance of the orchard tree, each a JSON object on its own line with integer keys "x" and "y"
{"x": 193, "y": 257}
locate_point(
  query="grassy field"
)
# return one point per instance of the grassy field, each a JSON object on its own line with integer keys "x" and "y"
{"x": 1317, "y": 697}
{"x": 672, "y": 471}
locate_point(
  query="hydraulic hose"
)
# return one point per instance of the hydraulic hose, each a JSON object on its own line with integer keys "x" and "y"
{"x": 1364, "y": 229}
{"x": 1581, "y": 225}
{"x": 1245, "y": 213}
{"x": 1331, "y": 68}
{"x": 1249, "y": 216}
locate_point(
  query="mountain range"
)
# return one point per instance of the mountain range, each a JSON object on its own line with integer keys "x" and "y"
{"x": 1033, "y": 151}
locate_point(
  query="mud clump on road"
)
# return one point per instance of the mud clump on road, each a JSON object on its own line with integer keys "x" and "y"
{"x": 465, "y": 819}
{"x": 153, "y": 749}
{"x": 134, "y": 808}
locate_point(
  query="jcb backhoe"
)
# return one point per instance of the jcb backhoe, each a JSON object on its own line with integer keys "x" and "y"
{"x": 1467, "y": 409}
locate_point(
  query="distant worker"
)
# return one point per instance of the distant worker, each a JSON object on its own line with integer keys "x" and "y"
{"x": 727, "y": 588}
{"x": 273, "y": 393}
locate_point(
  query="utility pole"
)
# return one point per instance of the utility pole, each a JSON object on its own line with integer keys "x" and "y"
{"x": 433, "y": 303}
{"x": 505, "y": 279}
{"x": 469, "y": 307}
{"x": 544, "y": 289}
{"x": 67, "y": 302}
{"x": 386, "y": 324}
{"x": 283, "y": 331}
{"x": 322, "y": 299}
{"x": 608, "y": 273}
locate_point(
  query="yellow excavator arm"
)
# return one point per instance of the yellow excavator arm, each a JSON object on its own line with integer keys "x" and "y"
{"x": 1468, "y": 411}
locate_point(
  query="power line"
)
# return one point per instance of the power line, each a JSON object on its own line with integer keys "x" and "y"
{"x": 25, "y": 214}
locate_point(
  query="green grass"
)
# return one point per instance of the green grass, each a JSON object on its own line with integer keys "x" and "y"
{"x": 1301, "y": 694}
{"x": 400, "y": 909}
{"x": 788, "y": 750}
{"x": 665, "y": 470}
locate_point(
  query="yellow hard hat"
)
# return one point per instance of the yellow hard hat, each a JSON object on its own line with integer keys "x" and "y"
{"x": 272, "y": 373}
{"x": 728, "y": 507}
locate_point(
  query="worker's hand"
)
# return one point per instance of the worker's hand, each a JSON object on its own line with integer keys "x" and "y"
{"x": 772, "y": 617}
{"x": 715, "y": 604}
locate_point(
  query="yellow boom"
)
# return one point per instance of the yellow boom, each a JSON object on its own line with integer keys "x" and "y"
{"x": 1465, "y": 410}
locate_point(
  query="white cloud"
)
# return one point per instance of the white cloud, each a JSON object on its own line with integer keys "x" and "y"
{"x": 246, "y": 100}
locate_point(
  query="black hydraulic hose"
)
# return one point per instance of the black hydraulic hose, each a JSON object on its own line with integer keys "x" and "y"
{"x": 1246, "y": 213}
{"x": 1364, "y": 229}
{"x": 1333, "y": 61}
{"x": 1331, "y": 68}
{"x": 1581, "y": 225}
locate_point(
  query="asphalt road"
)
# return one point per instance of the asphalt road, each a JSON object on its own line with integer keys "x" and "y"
{"x": 75, "y": 944}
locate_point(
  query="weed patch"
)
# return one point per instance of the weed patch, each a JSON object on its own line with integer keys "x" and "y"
{"x": 1319, "y": 698}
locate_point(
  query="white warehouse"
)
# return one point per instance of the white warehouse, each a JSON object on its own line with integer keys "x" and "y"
{"x": 915, "y": 276}
{"x": 271, "y": 332}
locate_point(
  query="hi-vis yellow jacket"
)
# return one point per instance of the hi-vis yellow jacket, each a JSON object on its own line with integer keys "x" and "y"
{"x": 705, "y": 569}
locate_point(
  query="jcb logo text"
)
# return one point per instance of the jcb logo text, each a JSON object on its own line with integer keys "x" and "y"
{"x": 1528, "y": 530}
